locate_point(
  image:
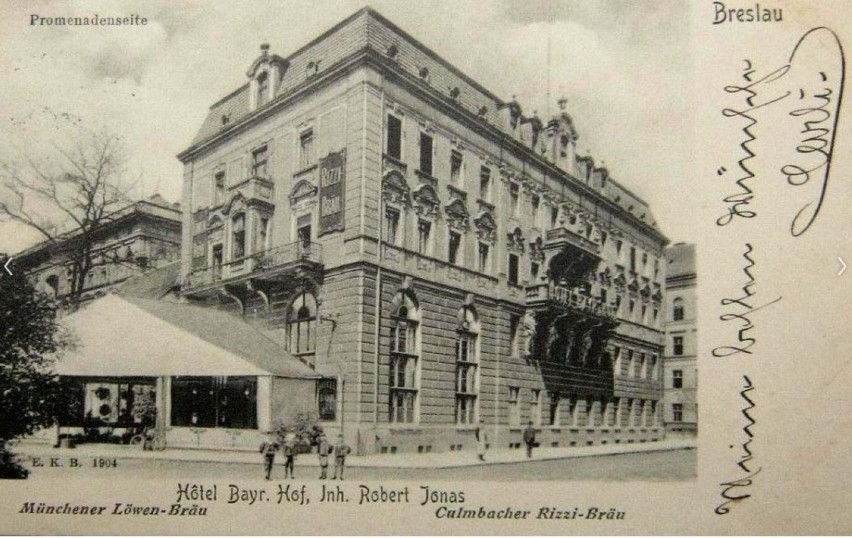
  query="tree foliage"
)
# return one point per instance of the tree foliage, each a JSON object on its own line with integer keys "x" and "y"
{"x": 31, "y": 395}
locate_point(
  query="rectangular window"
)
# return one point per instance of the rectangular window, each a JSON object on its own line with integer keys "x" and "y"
{"x": 219, "y": 187}
{"x": 454, "y": 246}
{"x": 513, "y": 268}
{"x": 426, "y": 154}
{"x": 303, "y": 230}
{"x": 456, "y": 168}
{"x": 394, "y": 142}
{"x": 485, "y": 183}
{"x": 535, "y": 202}
{"x": 677, "y": 345}
{"x": 216, "y": 261}
{"x": 677, "y": 412}
{"x": 534, "y": 268}
{"x": 327, "y": 398}
{"x": 424, "y": 232}
{"x": 554, "y": 216}
{"x": 514, "y": 406}
{"x": 306, "y": 149}
{"x": 466, "y": 386}
{"x": 484, "y": 259}
{"x": 514, "y": 196}
{"x": 238, "y": 236}
{"x": 553, "y": 415}
{"x": 633, "y": 259}
{"x": 391, "y": 225}
{"x": 259, "y": 160}
{"x": 535, "y": 407}
{"x": 640, "y": 366}
{"x": 677, "y": 379}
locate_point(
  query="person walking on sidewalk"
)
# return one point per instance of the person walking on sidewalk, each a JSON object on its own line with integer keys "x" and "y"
{"x": 324, "y": 448}
{"x": 481, "y": 441}
{"x": 340, "y": 452}
{"x": 289, "y": 450}
{"x": 268, "y": 448}
{"x": 529, "y": 438}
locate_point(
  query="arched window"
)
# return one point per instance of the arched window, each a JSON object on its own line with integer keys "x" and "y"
{"x": 404, "y": 356}
{"x": 467, "y": 364}
{"x": 677, "y": 309}
{"x": 301, "y": 321}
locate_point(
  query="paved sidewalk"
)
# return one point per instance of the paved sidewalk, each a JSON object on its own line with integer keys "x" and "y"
{"x": 434, "y": 460}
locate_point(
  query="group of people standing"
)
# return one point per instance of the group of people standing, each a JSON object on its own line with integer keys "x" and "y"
{"x": 287, "y": 446}
{"x": 325, "y": 450}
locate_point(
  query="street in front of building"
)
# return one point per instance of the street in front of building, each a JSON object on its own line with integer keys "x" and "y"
{"x": 669, "y": 465}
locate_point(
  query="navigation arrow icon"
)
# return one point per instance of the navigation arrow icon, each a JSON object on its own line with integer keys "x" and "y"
{"x": 6, "y": 266}
{"x": 842, "y": 266}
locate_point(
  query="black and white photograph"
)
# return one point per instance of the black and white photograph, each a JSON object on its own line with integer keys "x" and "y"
{"x": 430, "y": 266}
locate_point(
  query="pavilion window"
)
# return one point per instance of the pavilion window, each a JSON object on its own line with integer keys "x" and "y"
{"x": 215, "y": 402}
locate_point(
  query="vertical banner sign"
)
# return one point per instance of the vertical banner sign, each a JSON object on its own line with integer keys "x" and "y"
{"x": 332, "y": 179}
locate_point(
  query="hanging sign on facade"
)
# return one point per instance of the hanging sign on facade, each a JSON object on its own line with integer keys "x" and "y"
{"x": 332, "y": 185}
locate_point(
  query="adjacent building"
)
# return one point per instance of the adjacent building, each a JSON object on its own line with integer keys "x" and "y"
{"x": 436, "y": 257}
{"x": 680, "y": 366}
{"x": 142, "y": 236}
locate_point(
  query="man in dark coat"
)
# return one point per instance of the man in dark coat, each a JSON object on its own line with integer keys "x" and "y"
{"x": 268, "y": 448}
{"x": 529, "y": 438}
{"x": 324, "y": 448}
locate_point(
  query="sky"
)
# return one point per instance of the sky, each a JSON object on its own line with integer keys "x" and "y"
{"x": 624, "y": 67}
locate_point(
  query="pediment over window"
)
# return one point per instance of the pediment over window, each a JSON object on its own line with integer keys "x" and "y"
{"x": 214, "y": 222}
{"x": 457, "y": 215}
{"x": 537, "y": 249}
{"x": 235, "y": 204}
{"x": 515, "y": 239}
{"x": 426, "y": 201}
{"x": 486, "y": 227}
{"x": 302, "y": 190}
{"x": 395, "y": 188}
{"x": 620, "y": 281}
{"x": 633, "y": 285}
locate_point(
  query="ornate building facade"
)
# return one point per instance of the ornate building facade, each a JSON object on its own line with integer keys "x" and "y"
{"x": 144, "y": 235}
{"x": 679, "y": 364}
{"x": 441, "y": 259}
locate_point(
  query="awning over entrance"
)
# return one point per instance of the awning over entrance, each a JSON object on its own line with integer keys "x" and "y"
{"x": 127, "y": 336}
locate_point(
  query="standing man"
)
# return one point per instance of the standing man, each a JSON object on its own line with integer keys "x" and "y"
{"x": 289, "y": 453}
{"x": 529, "y": 438}
{"x": 323, "y": 449}
{"x": 340, "y": 452}
{"x": 481, "y": 441}
{"x": 268, "y": 448}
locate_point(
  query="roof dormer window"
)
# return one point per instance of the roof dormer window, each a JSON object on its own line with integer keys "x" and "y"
{"x": 262, "y": 89}
{"x": 264, "y": 76}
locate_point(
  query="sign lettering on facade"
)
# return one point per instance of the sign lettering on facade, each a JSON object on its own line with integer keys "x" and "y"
{"x": 332, "y": 185}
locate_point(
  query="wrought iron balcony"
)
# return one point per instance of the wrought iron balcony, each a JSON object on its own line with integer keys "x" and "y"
{"x": 553, "y": 296}
{"x": 267, "y": 264}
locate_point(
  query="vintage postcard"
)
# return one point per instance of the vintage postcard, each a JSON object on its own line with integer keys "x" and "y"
{"x": 478, "y": 267}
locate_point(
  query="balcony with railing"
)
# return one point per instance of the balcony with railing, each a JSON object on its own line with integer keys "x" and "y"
{"x": 562, "y": 237}
{"x": 275, "y": 264}
{"x": 547, "y": 296}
